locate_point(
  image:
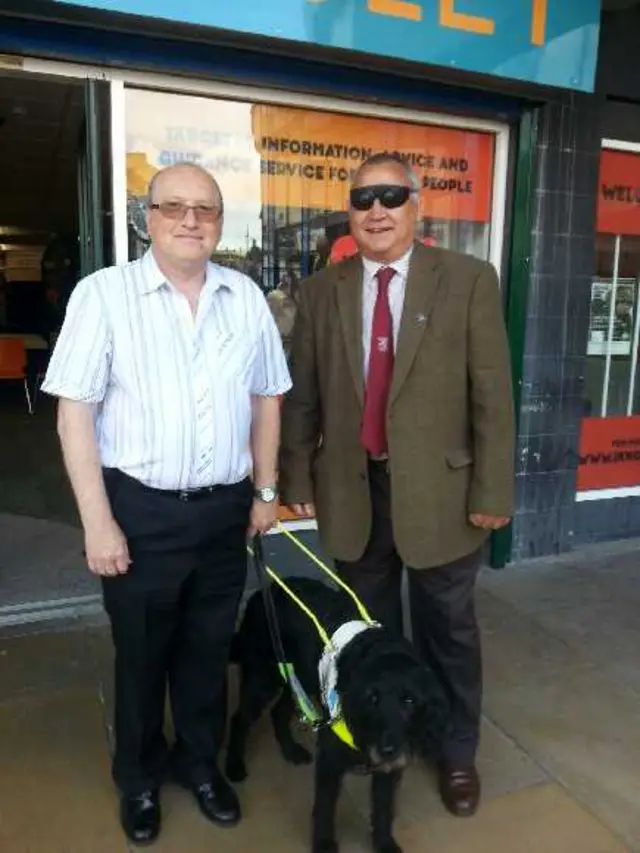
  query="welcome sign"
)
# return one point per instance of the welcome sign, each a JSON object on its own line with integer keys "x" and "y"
{"x": 551, "y": 42}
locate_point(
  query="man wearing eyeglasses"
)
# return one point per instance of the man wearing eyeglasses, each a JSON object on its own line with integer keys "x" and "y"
{"x": 168, "y": 372}
{"x": 398, "y": 434}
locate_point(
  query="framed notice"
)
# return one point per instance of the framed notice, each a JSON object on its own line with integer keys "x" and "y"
{"x": 600, "y": 317}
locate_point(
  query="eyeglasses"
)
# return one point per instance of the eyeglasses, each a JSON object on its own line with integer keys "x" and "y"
{"x": 389, "y": 196}
{"x": 177, "y": 210}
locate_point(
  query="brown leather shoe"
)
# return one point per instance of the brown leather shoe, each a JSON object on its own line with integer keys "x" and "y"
{"x": 459, "y": 789}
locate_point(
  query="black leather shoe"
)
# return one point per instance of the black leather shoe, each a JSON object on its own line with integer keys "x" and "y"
{"x": 140, "y": 817}
{"x": 217, "y": 801}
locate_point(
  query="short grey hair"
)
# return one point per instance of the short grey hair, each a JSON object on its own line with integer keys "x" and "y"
{"x": 151, "y": 189}
{"x": 384, "y": 158}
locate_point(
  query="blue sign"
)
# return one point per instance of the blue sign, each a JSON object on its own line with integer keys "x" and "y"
{"x": 552, "y": 42}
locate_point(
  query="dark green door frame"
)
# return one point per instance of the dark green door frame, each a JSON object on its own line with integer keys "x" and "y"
{"x": 90, "y": 190}
{"x": 519, "y": 274}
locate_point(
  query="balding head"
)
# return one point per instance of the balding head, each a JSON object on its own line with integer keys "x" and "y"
{"x": 184, "y": 218}
{"x": 160, "y": 178}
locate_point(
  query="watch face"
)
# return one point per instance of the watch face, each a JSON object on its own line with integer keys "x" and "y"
{"x": 267, "y": 494}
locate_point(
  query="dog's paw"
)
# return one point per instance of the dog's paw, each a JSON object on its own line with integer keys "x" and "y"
{"x": 235, "y": 770}
{"x": 325, "y": 845}
{"x": 386, "y": 845}
{"x": 296, "y": 754}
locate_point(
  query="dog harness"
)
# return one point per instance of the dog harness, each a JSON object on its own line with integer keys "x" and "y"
{"x": 333, "y": 646}
{"x": 328, "y": 675}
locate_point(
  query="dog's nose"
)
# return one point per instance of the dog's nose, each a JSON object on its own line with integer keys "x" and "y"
{"x": 388, "y": 750}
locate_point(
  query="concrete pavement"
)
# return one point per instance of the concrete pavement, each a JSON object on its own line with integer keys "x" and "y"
{"x": 559, "y": 754}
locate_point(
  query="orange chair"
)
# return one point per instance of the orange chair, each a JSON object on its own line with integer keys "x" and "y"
{"x": 13, "y": 364}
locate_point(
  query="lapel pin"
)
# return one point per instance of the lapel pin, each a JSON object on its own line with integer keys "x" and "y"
{"x": 421, "y": 318}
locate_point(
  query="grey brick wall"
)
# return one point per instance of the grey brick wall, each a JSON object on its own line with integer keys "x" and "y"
{"x": 562, "y": 265}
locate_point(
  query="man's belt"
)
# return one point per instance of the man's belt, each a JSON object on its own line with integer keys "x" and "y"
{"x": 180, "y": 494}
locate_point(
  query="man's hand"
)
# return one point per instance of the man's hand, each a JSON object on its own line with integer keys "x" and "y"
{"x": 303, "y": 510}
{"x": 263, "y": 517}
{"x": 488, "y": 522}
{"x": 106, "y": 549}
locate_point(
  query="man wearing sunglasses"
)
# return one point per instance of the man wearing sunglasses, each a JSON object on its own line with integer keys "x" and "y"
{"x": 398, "y": 435}
{"x": 169, "y": 371}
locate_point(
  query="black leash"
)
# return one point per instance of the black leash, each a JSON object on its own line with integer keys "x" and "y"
{"x": 269, "y": 604}
{"x": 306, "y": 708}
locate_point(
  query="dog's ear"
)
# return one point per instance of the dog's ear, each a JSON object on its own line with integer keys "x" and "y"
{"x": 432, "y": 714}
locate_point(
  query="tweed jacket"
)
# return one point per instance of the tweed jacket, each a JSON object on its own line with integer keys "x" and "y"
{"x": 450, "y": 419}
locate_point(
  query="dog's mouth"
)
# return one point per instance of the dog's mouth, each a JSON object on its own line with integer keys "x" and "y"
{"x": 384, "y": 764}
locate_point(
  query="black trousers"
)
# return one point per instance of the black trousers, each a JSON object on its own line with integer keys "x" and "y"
{"x": 442, "y": 616}
{"x": 172, "y": 617}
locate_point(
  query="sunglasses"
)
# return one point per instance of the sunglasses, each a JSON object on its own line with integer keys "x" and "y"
{"x": 389, "y": 196}
{"x": 178, "y": 210}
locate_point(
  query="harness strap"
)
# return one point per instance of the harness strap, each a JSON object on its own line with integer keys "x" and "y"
{"x": 362, "y": 610}
{"x": 262, "y": 570}
{"x": 305, "y": 705}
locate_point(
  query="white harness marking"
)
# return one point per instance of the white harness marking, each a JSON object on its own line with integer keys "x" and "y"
{"x": 328, "y": 665}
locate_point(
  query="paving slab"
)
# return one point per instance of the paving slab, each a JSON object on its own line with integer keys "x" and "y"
{"x": 574, "y": 720}
{"x": 543, "y": 819}
{"x": 55, "y": 789}
{"x": 54, "y": 661}
{"x": 591, "y": 604}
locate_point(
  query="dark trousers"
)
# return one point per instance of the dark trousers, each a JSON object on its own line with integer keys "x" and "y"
{"x": 442, "y": 616}
{"x": 173, "y": 616}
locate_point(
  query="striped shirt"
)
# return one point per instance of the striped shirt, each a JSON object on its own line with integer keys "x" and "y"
{"x": 172, "y": 391}
{"x": 397, "y": 288}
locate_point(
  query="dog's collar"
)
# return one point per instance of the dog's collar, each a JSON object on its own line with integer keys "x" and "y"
{"x": 328, "y": 676}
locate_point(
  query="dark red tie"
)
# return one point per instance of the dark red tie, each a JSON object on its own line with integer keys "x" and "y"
{"x": 374, "y": 431}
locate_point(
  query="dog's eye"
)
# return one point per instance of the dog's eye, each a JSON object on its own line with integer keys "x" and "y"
{"x": 373, "y": 697}
{"x": 408, "y": 699}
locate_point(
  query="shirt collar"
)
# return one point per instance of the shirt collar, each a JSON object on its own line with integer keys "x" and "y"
{"x": 401, "y": 266}
{"x": 153, "y": 278}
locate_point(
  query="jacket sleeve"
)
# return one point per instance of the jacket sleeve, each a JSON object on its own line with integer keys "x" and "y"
{"x": 492, "y": 412}
{"x": 301, "y": 420}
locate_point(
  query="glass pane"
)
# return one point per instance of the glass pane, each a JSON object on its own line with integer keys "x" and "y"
{"x": 611, "y": 372}
{"x": 285, "y": 173}
{"x": 630, "y": 271}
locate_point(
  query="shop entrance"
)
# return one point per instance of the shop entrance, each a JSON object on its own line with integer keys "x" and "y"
{"x": 54, "y": 228}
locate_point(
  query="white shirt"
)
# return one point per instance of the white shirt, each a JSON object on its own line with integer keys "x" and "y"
{"x": 397, "y": 287}
{"x": 173, "y": 391}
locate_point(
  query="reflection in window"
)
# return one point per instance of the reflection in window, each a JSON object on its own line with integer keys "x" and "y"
{"x": 285, "y": 174}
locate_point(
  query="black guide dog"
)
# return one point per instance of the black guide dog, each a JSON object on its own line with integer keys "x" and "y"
{"x": 391, "y": 701}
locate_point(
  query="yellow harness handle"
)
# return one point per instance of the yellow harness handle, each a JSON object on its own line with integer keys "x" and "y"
{"x": 334, "y": 577}
{"x": 338, "y": 726}
{"x": 276, "y": 579}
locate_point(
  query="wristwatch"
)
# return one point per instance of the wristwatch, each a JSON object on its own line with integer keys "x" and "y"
{"x": 266, "y": 494}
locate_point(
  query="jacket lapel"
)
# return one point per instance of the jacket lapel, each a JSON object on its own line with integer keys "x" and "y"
{"x": 424, "y": 286}
{"x": 349, "y": 298}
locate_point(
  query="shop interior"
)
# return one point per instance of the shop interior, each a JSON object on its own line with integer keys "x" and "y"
{"x": 44, "y": 235}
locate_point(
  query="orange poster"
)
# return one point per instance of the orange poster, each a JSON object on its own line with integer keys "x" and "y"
{"x": 308, "y": 159}
{"x": 609, "y": 456}
{"x": 619, "y": 193}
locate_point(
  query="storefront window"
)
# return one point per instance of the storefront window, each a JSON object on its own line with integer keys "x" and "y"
{"x": 285, "y": 173}
{"x": 610, "y": 443}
